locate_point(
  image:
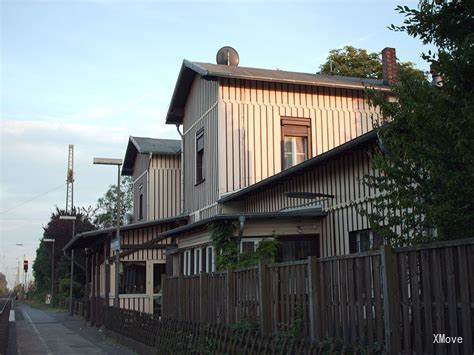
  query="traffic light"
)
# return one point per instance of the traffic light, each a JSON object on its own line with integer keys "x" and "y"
{"x": 25, "y": 265}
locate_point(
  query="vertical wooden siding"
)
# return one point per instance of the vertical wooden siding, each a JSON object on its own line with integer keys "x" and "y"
{"x": 250, "y": 128}
{"x": 164, "y": 198}
{"x": 143, "y": 235}
{"x": 140, "y": 178}
{"x": 340, "y": 177}
{"x": 201, "y": 112}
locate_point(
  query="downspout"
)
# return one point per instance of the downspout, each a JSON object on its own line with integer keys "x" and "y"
{"x": 181, "y": 175}
{"x": 241, "y": 232}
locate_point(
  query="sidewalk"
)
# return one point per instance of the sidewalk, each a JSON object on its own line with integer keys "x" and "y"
{"x": 46, "y": 332}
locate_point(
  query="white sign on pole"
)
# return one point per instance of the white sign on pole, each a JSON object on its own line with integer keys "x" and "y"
{"x": 115, "y": 244}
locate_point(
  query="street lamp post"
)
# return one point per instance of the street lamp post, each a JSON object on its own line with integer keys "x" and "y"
{"x": 116, "y": 243}
{"x": 51, "y": 240}
{"x": 73, "y": 219}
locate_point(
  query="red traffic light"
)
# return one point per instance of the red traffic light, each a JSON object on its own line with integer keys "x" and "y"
{"x": 25, "y": 265}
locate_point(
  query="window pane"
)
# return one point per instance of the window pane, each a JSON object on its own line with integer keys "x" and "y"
{"x": 200, "y": 143}
{"x": 133, "y": 277}
{"x": 158, "y": 271}
{"x": 295, "y": 150}
{"x": 301, "y": 144}
{"x": 199, "y": 156}
{"x": 248, "y": 247}
{"x": 297, "y": 248}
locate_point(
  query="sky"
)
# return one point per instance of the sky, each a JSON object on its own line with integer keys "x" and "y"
{"x": 92, "y": 73}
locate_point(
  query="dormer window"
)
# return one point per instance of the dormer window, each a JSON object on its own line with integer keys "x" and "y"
{"x": 199, "y": 156}
{"x": 295, "y": 133}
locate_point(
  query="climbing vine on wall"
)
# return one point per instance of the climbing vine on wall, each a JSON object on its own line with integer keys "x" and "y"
{"x": 227, "y": 249}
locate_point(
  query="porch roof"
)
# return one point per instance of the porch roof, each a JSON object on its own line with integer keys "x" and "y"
{"x": 86, "y": 239}
{"x": 293, "y": 213}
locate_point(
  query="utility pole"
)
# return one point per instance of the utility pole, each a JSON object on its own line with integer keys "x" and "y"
{"x": 70, "y": 180}
{"x": 115, "y": 244}
{"x": 71, "y": 279}
{"x": 51, "y": 240}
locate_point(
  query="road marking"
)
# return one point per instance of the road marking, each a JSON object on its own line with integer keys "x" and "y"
{"x": 11, "y": 318}
{"x": 48, "y": 350}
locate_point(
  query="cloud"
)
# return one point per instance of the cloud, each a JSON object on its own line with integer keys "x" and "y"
{"x": 45, "y": 129}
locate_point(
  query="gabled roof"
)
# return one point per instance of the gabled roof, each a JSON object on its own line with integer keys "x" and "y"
{"x": 145, "y": 145}
{"x": 207, "y": 70}
{"x": 302, "y": 167}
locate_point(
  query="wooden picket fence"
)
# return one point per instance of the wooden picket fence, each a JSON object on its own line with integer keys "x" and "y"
{"x": 395, "y": 299}
{"x": 171, "y": 336}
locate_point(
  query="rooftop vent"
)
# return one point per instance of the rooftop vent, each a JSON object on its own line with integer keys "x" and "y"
{"x": 227, "y": 56}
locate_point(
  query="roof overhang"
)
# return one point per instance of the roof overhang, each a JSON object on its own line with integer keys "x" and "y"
{"x": 130, "y": 156}
{"x": 91, "y": 238}
{"x": 180, "y": 94}
{"x": 190, "y": 69}
{"x": 316, "y": 212}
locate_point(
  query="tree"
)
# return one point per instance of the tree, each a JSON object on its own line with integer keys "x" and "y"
{"x": 426, "y": 165}
{"x": 106, "y": 212}
{"x": 350, "y": 61}
{"x": 228, "y": 255}
{"x": 3, "y": 284}
{"x": 61, "y": 232}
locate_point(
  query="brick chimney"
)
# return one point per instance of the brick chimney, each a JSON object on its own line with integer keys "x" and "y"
{"x": 437, "y": 78}
{"x": 389, "y": 66}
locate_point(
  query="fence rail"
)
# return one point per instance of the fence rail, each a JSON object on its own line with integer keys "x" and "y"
{"x": 395, "y": 298}
{"x": 171, "y": 336}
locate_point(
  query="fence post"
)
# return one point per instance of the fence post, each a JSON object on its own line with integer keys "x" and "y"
{"x": 230, "y": 304}
{"x": 181, "y": 297}
{"x": 265, "y": 306}
{"x": 202, "y": 297}
{"x": 164, "y": 296}
{"x": 313, "y": 298}
{"x": 391, "y": 300}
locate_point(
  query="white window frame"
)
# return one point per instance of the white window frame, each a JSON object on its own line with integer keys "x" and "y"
{"x": 210, "y": 262}
{"x": 187, "y": 263}
{"x": 294, "y": 153}
{"x": 256, "y": 242}
{"x": 197, "y": 260}
{"x": 358, "y": 239}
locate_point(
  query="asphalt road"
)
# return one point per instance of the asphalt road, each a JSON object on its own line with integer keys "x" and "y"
{"x": 45, "y": 332}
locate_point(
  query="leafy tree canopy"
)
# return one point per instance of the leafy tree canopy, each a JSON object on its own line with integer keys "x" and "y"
{"x": 351, "y": 61}
{"x": 427, "y": 165}
{"x": 228, "y": 255}
{"x": 106, "y": 211}
{"x": 3, "y": 284}
{"x": 61, "y": 232}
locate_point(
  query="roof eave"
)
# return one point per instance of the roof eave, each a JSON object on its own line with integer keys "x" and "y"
{"x": 256, "y": 215}
{"x": 107, "y": 231}
{"x": 129, "y": 158}
{"x": 185, "y": 77}
{"x": 188, "y": 69}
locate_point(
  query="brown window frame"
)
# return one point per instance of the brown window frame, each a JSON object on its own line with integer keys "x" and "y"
{"x": 295, "y": 127}
{"x": 199, "y": 157}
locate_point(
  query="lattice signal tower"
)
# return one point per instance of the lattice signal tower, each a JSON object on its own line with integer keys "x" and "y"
{"x": 70, "y": 180}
